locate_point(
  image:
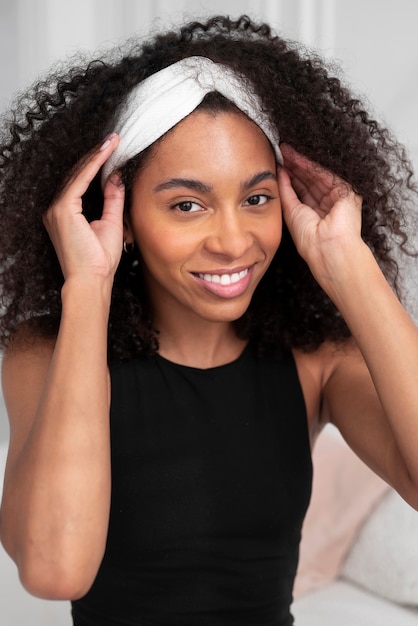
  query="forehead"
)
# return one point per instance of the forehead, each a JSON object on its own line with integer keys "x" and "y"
{"x": 206, "y": 139}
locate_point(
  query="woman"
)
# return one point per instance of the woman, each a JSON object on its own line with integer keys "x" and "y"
{"x": 221, "y": 341}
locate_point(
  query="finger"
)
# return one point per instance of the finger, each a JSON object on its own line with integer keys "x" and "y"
{"x": 87, "y": 168}
{"x": 297, "y": 161}
{"x": 288, "y": 196}
{"x": 316, "y": 186}
{"x": 297, "y": 215}
{"x": 310, "y": 195}
{"x": 312, "y": 173}
{"x": 318, "y": 180}
{"x": 114, "y": 198}
{"x": 306, "y": 193}
{"x": 292, "y": 203}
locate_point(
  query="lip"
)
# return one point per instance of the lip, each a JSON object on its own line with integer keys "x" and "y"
{"x": 235, "y": 283}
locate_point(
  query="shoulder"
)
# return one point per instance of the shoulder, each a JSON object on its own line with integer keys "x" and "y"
{"x": 319, "y": 369}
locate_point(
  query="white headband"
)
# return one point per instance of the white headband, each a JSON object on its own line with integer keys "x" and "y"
{"x": 165, "y": 98}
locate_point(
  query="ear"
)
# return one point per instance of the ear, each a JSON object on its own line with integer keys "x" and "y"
{"x": 128, "y": 236}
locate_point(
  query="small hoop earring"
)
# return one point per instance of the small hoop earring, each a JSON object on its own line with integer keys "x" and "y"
{"x": 128, "y": 247}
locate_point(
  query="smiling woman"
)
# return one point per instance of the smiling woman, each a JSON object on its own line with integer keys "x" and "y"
{"x": 205, "y": 215}
{"x": 184, "y": 307}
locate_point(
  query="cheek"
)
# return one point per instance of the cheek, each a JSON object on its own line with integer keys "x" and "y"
{"x": 164, "y": 250}
{"x": 273, "y": 233}
{"x": 148, "y": 234}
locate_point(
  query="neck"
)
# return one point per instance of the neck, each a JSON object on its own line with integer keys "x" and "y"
{"x": 209, "y": 346}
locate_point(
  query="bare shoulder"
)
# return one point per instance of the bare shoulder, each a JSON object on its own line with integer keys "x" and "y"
{"x": 338, "y": 384}
{"x": 318, "y": 368}
{"x": 350, "y": 401}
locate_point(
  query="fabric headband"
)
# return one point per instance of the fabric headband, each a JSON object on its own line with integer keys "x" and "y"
{"x": 165, "y": 98}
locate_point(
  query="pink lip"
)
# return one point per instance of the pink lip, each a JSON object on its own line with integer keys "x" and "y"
{"x": 226, "y": 291}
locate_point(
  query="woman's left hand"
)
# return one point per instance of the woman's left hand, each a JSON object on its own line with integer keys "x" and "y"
{"x": 323, "y": 215}
{"x": 322, "y": 212}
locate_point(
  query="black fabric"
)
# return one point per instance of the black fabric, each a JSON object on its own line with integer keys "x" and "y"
{"x": 211, "y": 478}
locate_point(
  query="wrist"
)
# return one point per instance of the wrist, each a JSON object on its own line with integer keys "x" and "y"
{"x": 90, "y": 292}
{"x": 350, "y": 275}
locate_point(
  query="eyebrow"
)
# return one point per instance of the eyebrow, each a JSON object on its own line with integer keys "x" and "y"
{"x": 258, "y": 178}
{"x": 197, "y": 185}
{"x": 194, "y": 185}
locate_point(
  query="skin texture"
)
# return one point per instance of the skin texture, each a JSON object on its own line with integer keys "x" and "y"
{"x": 57, "y": 487}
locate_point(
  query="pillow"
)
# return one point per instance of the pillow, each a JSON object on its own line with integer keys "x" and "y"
{"x": 344, "y": 493}
{"x": 384, "y": 558}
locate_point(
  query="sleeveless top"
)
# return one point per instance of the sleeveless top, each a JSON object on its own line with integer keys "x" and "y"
{"x": 211, "y": 479}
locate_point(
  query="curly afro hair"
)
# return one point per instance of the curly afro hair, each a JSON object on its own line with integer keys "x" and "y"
{"x": 66, "y": 115}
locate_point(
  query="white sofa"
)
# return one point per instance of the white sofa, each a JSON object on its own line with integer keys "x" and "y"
{"x": 377, "y": 584}
{"x": 342, "y": 603}
{"x": 326, "y": 602}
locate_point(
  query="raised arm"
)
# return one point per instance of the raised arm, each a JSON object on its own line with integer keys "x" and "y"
{"x": 55, "y": 506}
{"x": 373, "y": 396}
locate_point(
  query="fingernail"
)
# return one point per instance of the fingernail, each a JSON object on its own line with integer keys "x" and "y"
{"x": 116, "y": 179}
{"x": 107, "y": 141}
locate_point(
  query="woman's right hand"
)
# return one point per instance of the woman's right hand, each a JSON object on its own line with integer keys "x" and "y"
{"x": 88, "y": 249}
{"x": 57, "y": 393}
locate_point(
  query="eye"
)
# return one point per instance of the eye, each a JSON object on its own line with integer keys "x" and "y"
{"x": 258, "y": 199}
{"x": 187, "y": 206}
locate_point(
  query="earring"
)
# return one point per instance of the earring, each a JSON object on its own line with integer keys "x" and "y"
{"x": 128, "y": 247}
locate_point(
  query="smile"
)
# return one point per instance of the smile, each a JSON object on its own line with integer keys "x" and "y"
{"x": 224, "y": 285}
{"x": 224, "y": 279}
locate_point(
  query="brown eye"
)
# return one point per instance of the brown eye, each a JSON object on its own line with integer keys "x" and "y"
{"x": 187, "y": 206}
{"x": 257, "y": 200}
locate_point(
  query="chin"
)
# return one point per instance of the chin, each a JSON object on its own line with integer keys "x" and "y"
{"x": 225, "y": 313}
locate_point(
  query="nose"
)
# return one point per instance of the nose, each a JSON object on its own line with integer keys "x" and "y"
{"x": 230, "y": 235}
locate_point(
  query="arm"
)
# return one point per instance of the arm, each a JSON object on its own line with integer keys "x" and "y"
{"x": 371, "y": 392}
{"x": 55, "y": 506}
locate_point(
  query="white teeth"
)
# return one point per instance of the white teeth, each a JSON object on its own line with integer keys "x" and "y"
{"x": 224, "y": 279}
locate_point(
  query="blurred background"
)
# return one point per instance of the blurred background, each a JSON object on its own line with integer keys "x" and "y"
{"x": 373, "y": 41}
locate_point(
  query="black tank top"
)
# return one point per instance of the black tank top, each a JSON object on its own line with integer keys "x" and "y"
{"x": 211, "y": 479}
